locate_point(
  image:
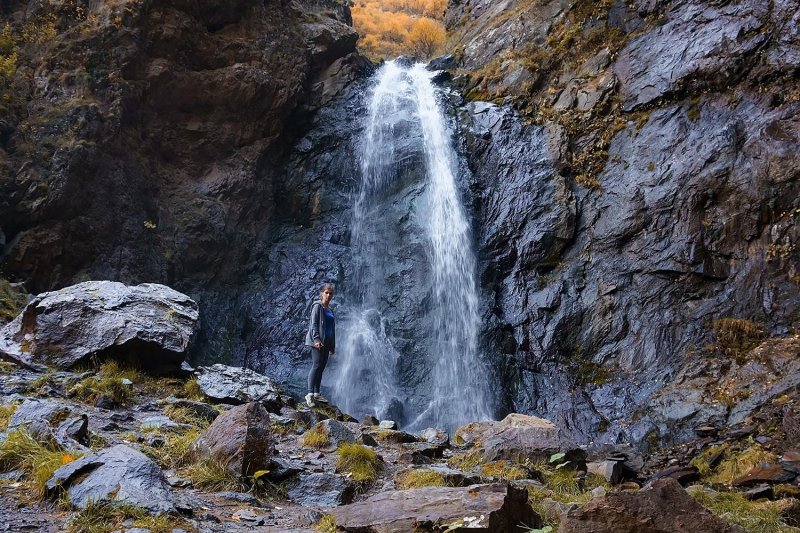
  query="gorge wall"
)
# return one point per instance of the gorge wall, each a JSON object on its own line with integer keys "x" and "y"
{"x": 633, "y": 179}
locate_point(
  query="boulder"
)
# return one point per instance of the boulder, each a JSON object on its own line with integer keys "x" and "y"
{"x": 682, "y": 474}
{"x": 321, "y": 490}
{"x": 517, "y": 435}
{"x": 337, "y": 433}
{"x": 236, "y": 385}
{"x": 200, "y": 410}
{"x": 50, "y": 420}
{"x": 240, "y": 439}
{"x": 149, "y": 325}
{"x": 662, "y": 507}
{"x": 493, "y": 507}
{"x": 119, "y": 474}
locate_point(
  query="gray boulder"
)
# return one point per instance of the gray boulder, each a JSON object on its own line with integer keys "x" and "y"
{"x": 321, "y": 490}
{"x": 53, "y": 421}
{"x": 151, "y": 324}
{"x": 118, "y": 474}
{"x": 495, "y": 507}
{"x": 200, "y": 410}
{"x": 230, "y": 384}
{"x": 240, "y": 439}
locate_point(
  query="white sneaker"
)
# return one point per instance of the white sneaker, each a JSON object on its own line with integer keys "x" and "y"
{"x": 320, "y": 398}
{"x": 310, "y": 400}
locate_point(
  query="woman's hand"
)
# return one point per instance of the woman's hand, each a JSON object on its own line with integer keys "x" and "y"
{"x": 318, "y": 345}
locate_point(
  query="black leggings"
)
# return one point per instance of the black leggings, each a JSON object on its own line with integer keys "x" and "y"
{"x": 319, "y": 358}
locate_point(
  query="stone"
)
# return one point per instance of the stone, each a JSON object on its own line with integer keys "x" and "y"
{"x": 387, "y": 424}
{"x": 281, "y": 469}
{"x": 241, "y": 439}
{"x": 790, "y": 461}
{"x": 236, "y": 385}
{"x": 767, "y": 473}
{"x": 757, "y": 493}
{"x": 162, "y": 422}
{"x": 682, "y": 474}
{"x": 516, "y": 435}
{"x": 489, "y": 508}
{"x": 390, "y": 436}
{"x": 611, "y": 471}
{"x": 51, "y": 420}
{"x": 434, "y": 436}
{"x": 370, "y": 420}
{"x": 147, "y": 324}
{"x": 337, "y": 433}
{"x": 662, "y": 507}
{"x": 321, "y": 490}
{"x": 117, "y": 474}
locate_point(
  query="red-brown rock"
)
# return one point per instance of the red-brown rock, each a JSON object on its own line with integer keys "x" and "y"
{"x": 764, "y": 474}
{"x": 240, "y": 439}
{"x": 662, "y": 507}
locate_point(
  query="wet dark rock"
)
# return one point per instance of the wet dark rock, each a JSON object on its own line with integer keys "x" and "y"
{"x": 445, "y": 62}
{"x": 611, "y": 471}
{"x": 682, "y": 474}
{"x": 757, "y": 493}
{"x": 241, "y": 439}
{"x": 390, "y": 436}
{"x": 243, "y": 497}
{"x": 337, "y": 433}
{"x": 484, "y": 507}
{"x": 51, "y": 420}
{"x": 790, "y": 461}
{"x": 321, "y": 490}
{"x": 222, "y": 383}
{"x": 201, "y": 410}
{"x": 118, "y": 474}
{"x": 661, "y": 507}
{"x": 148, "y": 324}
{"x": 281, "y": 469}
{"x": 767, "y": 473}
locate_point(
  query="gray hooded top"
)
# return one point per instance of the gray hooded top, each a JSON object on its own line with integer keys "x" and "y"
{"x": 316, "y": 327}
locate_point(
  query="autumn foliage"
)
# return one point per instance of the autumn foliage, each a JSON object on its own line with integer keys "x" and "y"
{"x": 389, "y": 28}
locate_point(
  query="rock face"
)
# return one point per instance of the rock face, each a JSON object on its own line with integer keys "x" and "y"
{"x": 117, "y": 474}
{"x": 478, "y": 507}
{"x": 664, "y": 507}
{"x": 222, "y": 383}
{"x": 240, "y": 439}
{"x": 150, "y": 324}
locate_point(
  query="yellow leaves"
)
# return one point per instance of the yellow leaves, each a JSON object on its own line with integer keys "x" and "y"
{"x": 389, "y": 28}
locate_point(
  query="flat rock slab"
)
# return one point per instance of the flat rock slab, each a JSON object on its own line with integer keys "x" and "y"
{"x": 662, "y": 507}
{"x": 490, "y": 508}
{"x": 63, "y": 328}
{"x": 119, "y": 474}
{"x": 232, "y": 384}
{"x": 515, "y": 435}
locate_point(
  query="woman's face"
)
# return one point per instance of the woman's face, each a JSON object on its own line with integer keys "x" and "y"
{"x": 326, "y": 295}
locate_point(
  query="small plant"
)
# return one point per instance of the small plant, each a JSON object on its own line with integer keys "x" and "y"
{"x": 38, "y": 460}
{"x": 327, "y": 524}
{"x": 416, "y": 478}
{"x": 12, "y": 301}
{"x": 736, "y": 336}
{"x": 176, "y": 451}
{"x": 465, "y": 461}
{"x": 755, "y": 517}
{"x": 315, "y": 437}
{"x": 504, "y": 470}
{"x": 360, "y": 461}
{"x": 192, "y": 390}
{"x": 213, "y": 475}
{"x": 709, "y": 458}
{"x": 738, "y": 464}
{"x": 104, "y": 517}
{"x": 186, "y": 415}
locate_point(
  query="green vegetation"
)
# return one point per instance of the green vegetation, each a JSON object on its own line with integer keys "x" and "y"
{"x": 755, "y": 517}
{"x": 709, "y": 458}
{"x": 192, "y": 390}
{"x": 176, "y": 451}
{"x": 584, "y": 371}
{"x": 185, "y": 415}
{"x": 6, "y": 412}
{"x": 36, "y": 459}
{"x": 327, "y": 524}
{"x": 102, "y": 517}
{"x": 736, "y": 337}
{"x": 419, "y": 477}
{"x": 212, "y": 475}
{"x": 738, "y": 464}
{"x": 315, "y": 437}
{"x": 465, "y": 461}
{"x": 12, "y": 300}
{"x": 360, "y": 461}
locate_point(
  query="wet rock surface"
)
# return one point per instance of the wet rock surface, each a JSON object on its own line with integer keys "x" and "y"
{"x": 103, "y": 319}
{"x": 222, "y": 383}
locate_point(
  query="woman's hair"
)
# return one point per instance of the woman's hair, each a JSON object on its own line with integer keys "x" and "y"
{"x": 326, "y": 287}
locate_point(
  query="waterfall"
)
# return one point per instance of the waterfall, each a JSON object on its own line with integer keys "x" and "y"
{"x": 410, "y": 235}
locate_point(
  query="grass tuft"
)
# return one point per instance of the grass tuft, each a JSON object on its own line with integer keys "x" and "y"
{"x": 465, "y": 461}
{"x": 326, "y": 524}
{"x": 6, "y": 412}
{"x": 738, "y": 464}
{"x": 504, "y": 470}
{"x": 419, "y": 477}
{"x": 315, "y": 437}
{"x": 185, "y": 415}
{"x": 360, "y": 461}
{"x": 736, "y": 337}
{"x": 38, "y": 460}
{"x": 192, "y": 390}
{"x": 212, "y": 475}
{"x": 104, "y": 517}
{"x": 755, "y": 517}
{"x": 176, "y": 451}
{"x": 703, "y": 462}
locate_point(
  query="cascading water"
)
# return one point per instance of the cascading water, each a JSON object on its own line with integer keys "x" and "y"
{"x": 407, "y": 160}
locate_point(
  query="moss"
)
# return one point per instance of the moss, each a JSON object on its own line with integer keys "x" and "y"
{"x": 315, "y": 437}
{"x": 755, "y": 517}
{"x": 584, "y": 371}
{"x": 709, "y": 458}
{"x": 12, "y": 301}
{"x": 38, "y": 460}
{"x": 736, "y": 337}
{"x": 738, "y": 464}
{"x": 693, "y": 111}
{"x": 361, "y": 462}
{"x": 418, "y": 477}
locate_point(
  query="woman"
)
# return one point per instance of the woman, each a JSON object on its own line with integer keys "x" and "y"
{"x": 321, "y": 337}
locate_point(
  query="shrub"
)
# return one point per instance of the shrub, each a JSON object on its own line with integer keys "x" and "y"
{"x": 736, "y": 336}
{"x": 361, "y": 462}
{"x": 415, "y": 478}
{"x": 36, "y": 459}
{"x": 315, "y": 437}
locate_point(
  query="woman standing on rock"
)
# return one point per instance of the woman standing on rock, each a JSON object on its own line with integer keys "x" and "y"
{"x": 321, "y": 337}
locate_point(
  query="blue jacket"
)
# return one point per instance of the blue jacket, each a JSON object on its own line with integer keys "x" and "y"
{"x": 316, "y": 327}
